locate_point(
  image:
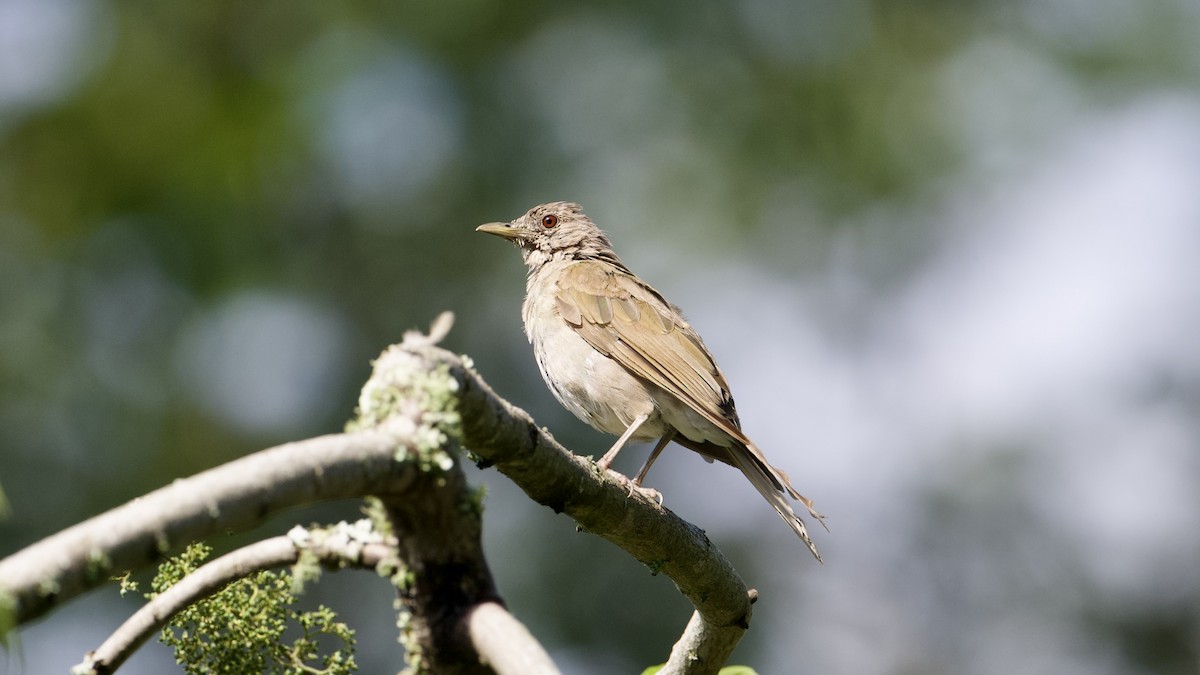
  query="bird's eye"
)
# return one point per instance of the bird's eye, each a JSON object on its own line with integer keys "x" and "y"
{"x": 549, "y": 221}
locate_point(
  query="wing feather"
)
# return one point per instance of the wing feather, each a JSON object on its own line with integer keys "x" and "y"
{"x": 629, "y": 322}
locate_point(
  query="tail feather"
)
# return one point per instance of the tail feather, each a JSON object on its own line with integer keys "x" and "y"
{"x": 772, "y": 484}
{"x": 808, "y": 503}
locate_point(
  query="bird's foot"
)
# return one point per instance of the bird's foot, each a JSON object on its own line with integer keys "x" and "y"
{"x": 635, "y": 486}
{"x": 654, "y": 495}
{"x": 650, "y": 493}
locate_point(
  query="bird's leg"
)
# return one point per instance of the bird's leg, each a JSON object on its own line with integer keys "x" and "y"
{"x": 636, "y": 483}
{"x": 609, "y": 456}
{"x": 662, "y": 443}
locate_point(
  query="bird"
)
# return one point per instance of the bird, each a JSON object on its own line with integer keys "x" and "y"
{"x": 624, "y": 360}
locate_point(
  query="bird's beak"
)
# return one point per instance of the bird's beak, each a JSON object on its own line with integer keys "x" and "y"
{"x": 505, "y": 230}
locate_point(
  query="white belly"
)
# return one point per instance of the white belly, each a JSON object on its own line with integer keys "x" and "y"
{"x": 592, "y": 386}
{"x": 595, "y": 388}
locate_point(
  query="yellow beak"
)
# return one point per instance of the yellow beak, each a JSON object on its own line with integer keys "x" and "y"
{"x": 505, "y": 230}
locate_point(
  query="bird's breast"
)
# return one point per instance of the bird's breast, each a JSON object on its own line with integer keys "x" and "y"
{"x": 592, "y": 386}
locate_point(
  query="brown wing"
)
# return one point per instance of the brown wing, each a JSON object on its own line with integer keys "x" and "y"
{"x": 629, "y": 322}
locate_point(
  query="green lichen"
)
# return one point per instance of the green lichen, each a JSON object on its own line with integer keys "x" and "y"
{"x": 375, "y": 511}
{"x": 48, "y": 586}
{"x": 403, "y": 578}
{"x": 98, "y": 565}
{"x": 472, "y": 504}
{"x": 657, "y": 566}
{"x": 418, "y": 404}
{"x": 305, "y": 571}
{"x": 241, "y": 628}
{"x": 127, "y": 583}
{"x": 392, "y": 567}
{"x": 341, "y": 543}
{"x": 414, "y": 656}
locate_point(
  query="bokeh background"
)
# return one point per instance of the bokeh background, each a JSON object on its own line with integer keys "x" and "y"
{"x": 948, "y": 254}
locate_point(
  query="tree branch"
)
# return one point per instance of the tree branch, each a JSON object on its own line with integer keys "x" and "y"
{"x": 232, "y": 497}
{"x": 504, "y": 643}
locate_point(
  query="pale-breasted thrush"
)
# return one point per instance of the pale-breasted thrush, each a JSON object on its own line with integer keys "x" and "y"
{"x": 621, "y": 358}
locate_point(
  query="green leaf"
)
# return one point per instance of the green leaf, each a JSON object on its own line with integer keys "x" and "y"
{"x": 8, "y": 617}
{"x": 728, "y": 670}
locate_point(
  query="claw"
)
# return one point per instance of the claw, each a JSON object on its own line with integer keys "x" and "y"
{"x": 651, "y": 493}
{"x": 635, "y": 486}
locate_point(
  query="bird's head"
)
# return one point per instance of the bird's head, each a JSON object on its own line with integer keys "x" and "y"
{"x": 554, "y": 231}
